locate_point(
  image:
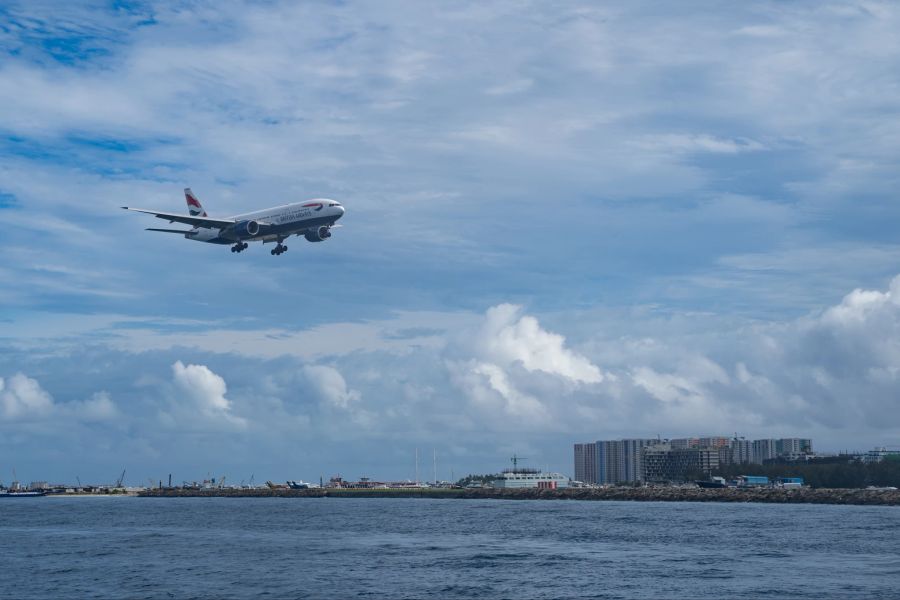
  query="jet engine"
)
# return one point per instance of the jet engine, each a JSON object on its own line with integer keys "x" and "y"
{"x": 319, "y": 234}
{"x": 245, "y": 229}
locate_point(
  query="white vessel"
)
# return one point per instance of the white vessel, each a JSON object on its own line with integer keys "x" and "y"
{"x": 524, "y": 477}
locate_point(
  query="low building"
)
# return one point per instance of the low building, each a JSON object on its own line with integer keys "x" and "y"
{"x": 752, "y": 480}
{"x": 876, "y": 455}
{"x": 789, "y": 482}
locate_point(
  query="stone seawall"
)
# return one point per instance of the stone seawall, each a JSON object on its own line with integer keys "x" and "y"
{"x": 648, "y": 494}
{"x": 675, "y": 494}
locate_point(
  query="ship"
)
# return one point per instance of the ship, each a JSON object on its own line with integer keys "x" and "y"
{"x": 22, "y": 494}
{"x": 526, "y": 477}
{"x": 301, "y": 485}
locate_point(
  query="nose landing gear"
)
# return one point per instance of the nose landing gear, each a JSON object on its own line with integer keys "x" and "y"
{"x": 240, "y": 247}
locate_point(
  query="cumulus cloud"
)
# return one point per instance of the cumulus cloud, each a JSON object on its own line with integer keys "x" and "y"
{"x": 491, "y": 391}
{"x": 831, "y": 374}
{"x": 508, "y": 336}
{"x": 23, "y": 399}
{"x": 205, "y": 394}
{"x": 505, "y": 365}
{"x": 96, "y": 409}
{"x": 330, "y": 385}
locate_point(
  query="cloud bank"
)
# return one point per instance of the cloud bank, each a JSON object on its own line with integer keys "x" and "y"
{"x": 505, "y": 377}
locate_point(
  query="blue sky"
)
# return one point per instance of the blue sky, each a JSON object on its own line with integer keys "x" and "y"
{"x": 565, "y": 223}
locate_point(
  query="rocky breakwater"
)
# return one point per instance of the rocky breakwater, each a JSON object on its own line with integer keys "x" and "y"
{"x": 231, "y": 493}
{"x": 302, "y": 493}
{"x": 694, "y": 494}
{"x": 639, "y": 494}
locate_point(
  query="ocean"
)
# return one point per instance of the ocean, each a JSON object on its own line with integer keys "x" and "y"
{"x": 414, "y": 548}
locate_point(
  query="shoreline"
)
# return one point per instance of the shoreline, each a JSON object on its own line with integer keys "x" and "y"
{"x": 858, "y": 497}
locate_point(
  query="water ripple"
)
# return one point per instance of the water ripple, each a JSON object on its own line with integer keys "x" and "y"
{"x": 408, "y": 548}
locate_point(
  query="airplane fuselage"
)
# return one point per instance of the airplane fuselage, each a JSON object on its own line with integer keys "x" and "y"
{"x": 276, "y": 223}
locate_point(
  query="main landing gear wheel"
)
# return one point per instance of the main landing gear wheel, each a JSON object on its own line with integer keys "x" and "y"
{"x": 240, "y": 247}
{"x": 279, "y": 249}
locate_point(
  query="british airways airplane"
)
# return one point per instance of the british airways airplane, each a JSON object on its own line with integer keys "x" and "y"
{"x": 312, "y": 219}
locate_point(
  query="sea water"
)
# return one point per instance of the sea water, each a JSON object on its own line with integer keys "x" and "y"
{"x": 422, "y": 548}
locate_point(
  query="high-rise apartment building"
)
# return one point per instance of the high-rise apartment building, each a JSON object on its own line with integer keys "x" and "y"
{"x": 741, "y": 451}
{"x": 764, "y": 450}
{"x": 631, "y": 466}
{"x": 793, "y": 448}
{"x": 626, "y": 461}
{"x": 679, "y": 443}
{"x": 786, "y": 448}
{"x": 608, "y": 453}
{"x": 620, "y": 460}
{"x": 663, "y": 463}
{"x": 655, "y": 462}
{"x": 586, "y": 462}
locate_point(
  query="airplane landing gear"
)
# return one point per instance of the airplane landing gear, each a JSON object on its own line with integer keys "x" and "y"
{"x": 279, "y": 249}
{"x": 240, "y": 247}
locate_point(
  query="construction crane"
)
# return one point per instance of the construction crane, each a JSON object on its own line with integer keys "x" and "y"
{"x": 120, "y": 479}
{"x": 515, "y": 461}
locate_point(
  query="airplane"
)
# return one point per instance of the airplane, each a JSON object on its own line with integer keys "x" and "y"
{"x": 312, "y": 219}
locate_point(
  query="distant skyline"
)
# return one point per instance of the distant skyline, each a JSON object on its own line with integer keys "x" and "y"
{"x": 564, "y": 223}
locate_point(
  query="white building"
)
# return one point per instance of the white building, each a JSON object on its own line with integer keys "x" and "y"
{"x": 530, "y": 478}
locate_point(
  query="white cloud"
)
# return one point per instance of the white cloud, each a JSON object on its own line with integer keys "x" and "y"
{"x": 511, "y": 87}
{"x": 22, "y": 397}
{"x": 506, "y": 365}
{"x": 205, "y": 392}
{"x": 508, "y": 336}
{"x": 698, "y": 143}
{"x": 331, "y": 386}
{"x": 491, "y": 392}
{"x": 97, "y": 408}
{"x": 861, "y": 307}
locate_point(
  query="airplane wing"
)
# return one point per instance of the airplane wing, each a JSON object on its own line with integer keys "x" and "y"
{"x": 187, "y": 219}
{"x": 169, "y": 230}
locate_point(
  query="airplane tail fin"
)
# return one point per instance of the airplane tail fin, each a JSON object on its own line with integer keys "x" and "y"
{"x": 194, "y": 206}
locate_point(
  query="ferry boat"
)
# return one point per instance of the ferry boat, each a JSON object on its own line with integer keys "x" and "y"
{"x": 524, "y": 477}
{"x": 22, "y": 494}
